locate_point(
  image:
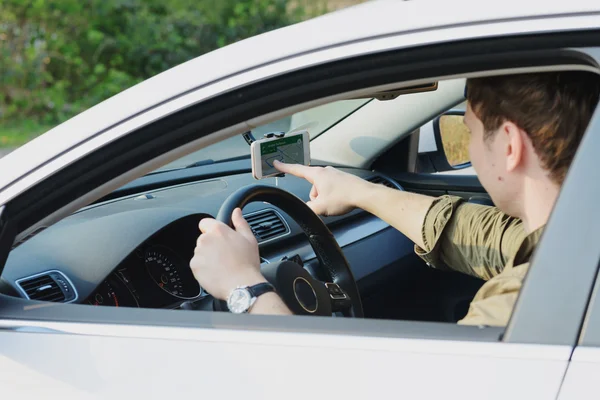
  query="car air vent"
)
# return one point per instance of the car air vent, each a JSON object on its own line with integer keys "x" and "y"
{"x": 377, "y": 179}
{"x": 267, "y": 225}
{"x": 48, "y": 286}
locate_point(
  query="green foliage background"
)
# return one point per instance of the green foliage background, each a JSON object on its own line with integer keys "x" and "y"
{"x": 59, "y": 57}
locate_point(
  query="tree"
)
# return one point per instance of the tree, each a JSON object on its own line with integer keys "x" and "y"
{"x": 59, "y": 57}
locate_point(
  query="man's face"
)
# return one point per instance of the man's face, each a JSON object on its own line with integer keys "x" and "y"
{"x": 489, "y": 159}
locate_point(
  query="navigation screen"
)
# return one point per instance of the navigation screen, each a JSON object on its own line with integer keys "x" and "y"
{"x": 289, "y": 150}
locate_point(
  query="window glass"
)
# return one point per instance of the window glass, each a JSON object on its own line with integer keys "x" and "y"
{"x": 316, "y": 120}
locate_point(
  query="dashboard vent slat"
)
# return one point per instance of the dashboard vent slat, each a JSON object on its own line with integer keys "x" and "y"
{"x": 55, "y": 295}
{"x": 35, "y": 283}
{"x": 49, "y": 286}
{"x": 267, "y": 225}
{"x": 380, "y": 180}
{"x": 273, "y": 218}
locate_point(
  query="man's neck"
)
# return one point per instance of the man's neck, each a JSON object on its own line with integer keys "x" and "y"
{"x": 539, "y": 197}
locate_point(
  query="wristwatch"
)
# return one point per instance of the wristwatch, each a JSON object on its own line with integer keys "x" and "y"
{"x": 241, "y": 299}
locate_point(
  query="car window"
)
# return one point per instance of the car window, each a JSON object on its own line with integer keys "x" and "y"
{"x": 316, "y": 120}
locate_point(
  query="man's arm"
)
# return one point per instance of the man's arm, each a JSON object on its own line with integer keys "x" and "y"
{"x": 448, "y": 233}
{"x": 270, "y": 303}
{"x": 335, "y": 193}
{"x": 403, "y": 210}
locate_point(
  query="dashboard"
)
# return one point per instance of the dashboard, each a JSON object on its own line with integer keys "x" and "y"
{"x": 156, "y": 274}
{"x": 133, "y": 250}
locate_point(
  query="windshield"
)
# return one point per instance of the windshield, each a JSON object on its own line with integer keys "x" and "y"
{"x": 316, "y": 120}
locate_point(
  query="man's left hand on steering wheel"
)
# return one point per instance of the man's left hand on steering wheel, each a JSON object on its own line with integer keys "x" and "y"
{"x": 225, "y": 258}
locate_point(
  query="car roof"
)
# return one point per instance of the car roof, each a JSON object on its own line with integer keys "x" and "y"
{"x": 373, "y": 19}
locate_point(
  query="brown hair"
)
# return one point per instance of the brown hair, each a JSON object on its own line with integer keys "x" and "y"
{"x": 553, "y": 108}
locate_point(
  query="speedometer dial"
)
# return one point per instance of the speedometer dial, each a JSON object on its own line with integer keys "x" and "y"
{"x": 170, "y": 274}
{"x": 113, "y": 292}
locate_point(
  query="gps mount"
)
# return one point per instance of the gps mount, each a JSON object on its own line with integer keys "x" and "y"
{"x": 249, "y": 137}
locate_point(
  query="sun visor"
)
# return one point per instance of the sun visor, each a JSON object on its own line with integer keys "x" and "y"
{"x": 394, "y": 93}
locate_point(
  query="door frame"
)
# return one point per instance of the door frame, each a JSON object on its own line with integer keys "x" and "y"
{"x": 143, "y": 145}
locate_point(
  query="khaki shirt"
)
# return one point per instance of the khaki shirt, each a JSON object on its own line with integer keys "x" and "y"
{"x": 484, "y": 242}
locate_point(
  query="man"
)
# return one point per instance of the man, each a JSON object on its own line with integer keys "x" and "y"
{"x": 525, "y": 130}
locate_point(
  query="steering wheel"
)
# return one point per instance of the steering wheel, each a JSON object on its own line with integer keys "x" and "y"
{"x": 300, "y": 291}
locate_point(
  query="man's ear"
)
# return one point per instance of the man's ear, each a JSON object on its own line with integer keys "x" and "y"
{"x": 515, "y": 145}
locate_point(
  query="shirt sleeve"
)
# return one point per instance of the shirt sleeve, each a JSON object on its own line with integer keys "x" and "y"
{"x": 470, "y": 238}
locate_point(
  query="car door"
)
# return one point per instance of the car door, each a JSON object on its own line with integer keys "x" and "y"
{"x": 77, "y": 351}
{"x": 254, "y": 357}
{"x": 581, "y": 378}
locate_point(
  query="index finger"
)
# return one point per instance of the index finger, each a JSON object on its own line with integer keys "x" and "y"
{"x": 299, "y": 170}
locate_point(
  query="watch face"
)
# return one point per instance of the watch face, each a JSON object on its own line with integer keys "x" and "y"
{"x": 239, "y": 301}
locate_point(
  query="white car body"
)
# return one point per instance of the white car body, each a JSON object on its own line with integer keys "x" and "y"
{"x": 222, "y": 359}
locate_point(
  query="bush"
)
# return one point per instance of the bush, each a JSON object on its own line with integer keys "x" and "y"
{"x": 59, "y": 57}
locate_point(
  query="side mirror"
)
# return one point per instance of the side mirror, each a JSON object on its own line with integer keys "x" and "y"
{"x": 447, "y": 139}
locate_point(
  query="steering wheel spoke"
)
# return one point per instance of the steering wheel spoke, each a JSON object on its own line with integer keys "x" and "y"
{"x": 340, "y": 300}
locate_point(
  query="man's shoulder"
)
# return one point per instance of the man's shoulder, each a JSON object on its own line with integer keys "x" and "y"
{"x": 495, "y": 300}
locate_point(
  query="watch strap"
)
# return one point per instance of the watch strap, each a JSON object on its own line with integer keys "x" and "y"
{"x": 260, "y": 289}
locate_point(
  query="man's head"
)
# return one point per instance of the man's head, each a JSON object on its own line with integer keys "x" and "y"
{"x": 525, "y": 130}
